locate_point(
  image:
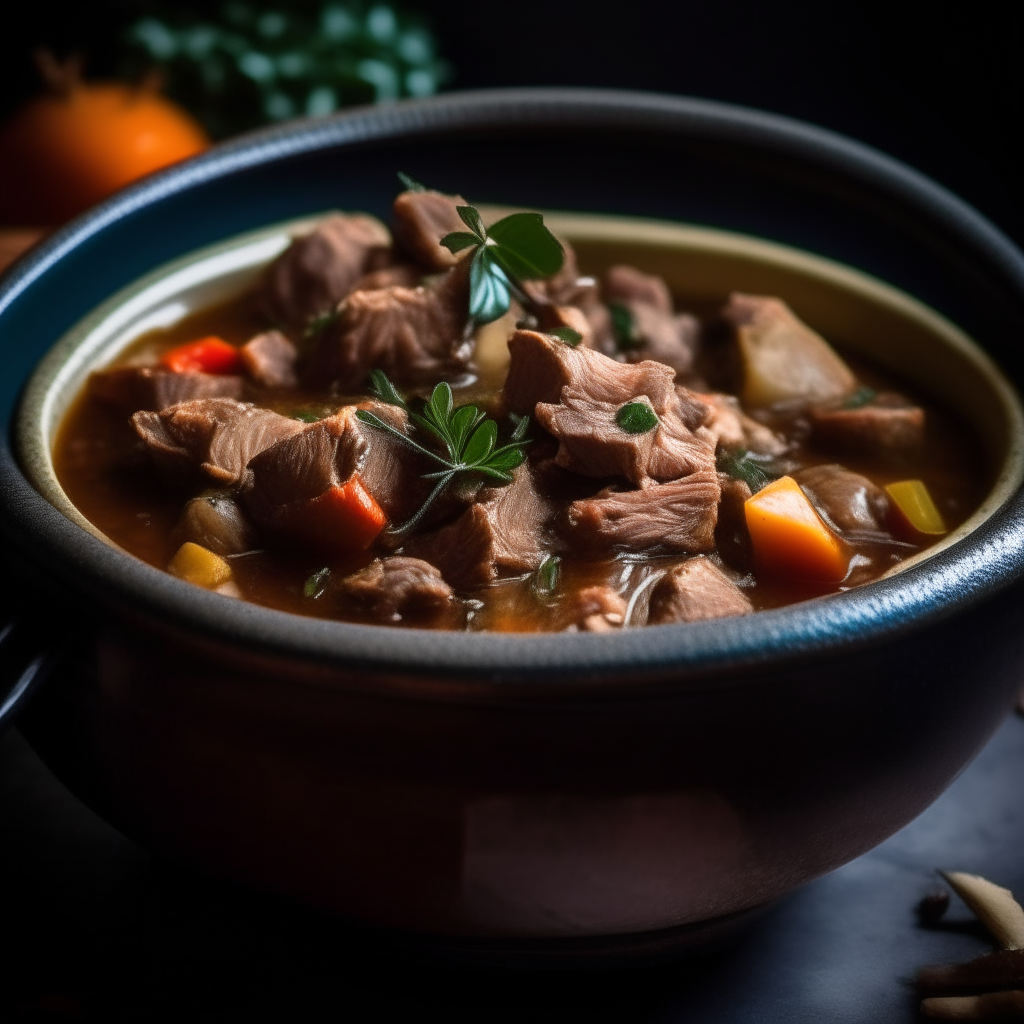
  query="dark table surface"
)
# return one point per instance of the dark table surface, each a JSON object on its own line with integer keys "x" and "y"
{"x": 96, "y": 928}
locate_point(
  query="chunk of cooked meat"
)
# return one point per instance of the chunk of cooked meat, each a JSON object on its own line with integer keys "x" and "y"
{"x": 322, "y": 455}
{"x": 269, "y": 359}
{"x": 413, "y": 334}
{"x": 889, "y": 426}
{"x": 732, "y": 538}
{"x": 623, "y": 283}
{"x": 783, "y": 359}
{"x": 541, "y": 366}
{"x": 214, "y": 437}
{"x": 135, "y": 388}
{"x": 655, "y": 330}
{"x": 592, "y": 443}
{"x": 693, "y": 591}
{"x": 570, "y": 290}
{"x": 397, "y": 588}
{"x": 319, "y": 269}
{"x": 595, "y": 610}
{"x": 420, "y": 220}
{"x": 401, "y": 275}
{"x": 734, "y": 429}
{"x": 678, "y": 516}
{"x": 847, "y": 501}
{"x": 217, "y": 523}
{"x": 499, "y": 535}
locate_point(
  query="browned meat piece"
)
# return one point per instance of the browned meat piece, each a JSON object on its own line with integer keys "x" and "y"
{"x": 671, "y": 340}
{"x": 325, "y": 454}
{"x": 213, "y": 436}
{"x": 553, "y": 318}
{"x": 622, "y": 283}
{"x": 783, "y": 359}
{"x": 319, "y": 269}
{"x": 569, "y": 289}
{"x": 269, "y": 359}
{"x": 216, "y": 522}
{"x": 735, "y": 429}
{"x": 410, "y": 333}
{"x": 679, "y": 516}
{"x": 889, "y": 426}
{"x": 401, "y": 275}
{"x": 135, "y": 388}
{"x": 732, "y": 538}
{"x": 656, "y": 332}
{"x": 420, "y": 221}
{"x": 595, "y": 610}
{"x": 848, "y": 501}
{"x": 693, "y": 591}
{"x": 395, "y": 589}
{"x": 592, "y": 443}
{"x": 540, "y": 366}
{"x": 499, "y": 535}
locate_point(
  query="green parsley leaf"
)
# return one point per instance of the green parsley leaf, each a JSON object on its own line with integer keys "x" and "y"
{"x": 567, "y": 335}
{"x": 411, "y": 184}
{"x": 861, "y": 397}
{"x": 470, "y": 216}
{"x": 456, "y": 241}
{"x": 317, "y": 583}
{"x": 319, "y": 323}
{"x": 525, "y": 248}
{"x": 623, "y": 327}
{"x": 382, "y": 389}
{"x": 755, "y": 471}
{"x": 481, "y": 443}
{"x": 465, "y": 433}
{"x": 636, "y": 418}
{"x": 490, "y": 291}
{"x": 545, "y": 579}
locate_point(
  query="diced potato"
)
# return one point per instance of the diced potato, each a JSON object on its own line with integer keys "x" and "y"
{"x": 783, "y": 359}
{"x": 199, "y": 565}
{"x": 491, "y": 354}
{"x": 790, "y": 538}
{"x": 916, "y": 510}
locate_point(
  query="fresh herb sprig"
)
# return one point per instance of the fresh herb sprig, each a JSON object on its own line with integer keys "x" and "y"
{"x": 468, "y": 439}
{"x": 754, "y": 470}
{"x": 515, "y": 249}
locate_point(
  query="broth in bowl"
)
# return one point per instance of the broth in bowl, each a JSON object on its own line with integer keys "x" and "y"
{"x": 486, "y": 433}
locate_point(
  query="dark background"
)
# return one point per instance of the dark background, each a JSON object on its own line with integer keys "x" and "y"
{"x": 941, "y": 90}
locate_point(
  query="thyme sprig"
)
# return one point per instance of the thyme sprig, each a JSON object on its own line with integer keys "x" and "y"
{"x": 468, "y": 440}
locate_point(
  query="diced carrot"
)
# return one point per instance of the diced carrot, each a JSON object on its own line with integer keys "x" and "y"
{"x": 345, "y": 516}
{"x": 199, "y": 565}
{"x": 916, "y": 513}
{"x": 790, "y": 538}
{"x": 207, "y": 355}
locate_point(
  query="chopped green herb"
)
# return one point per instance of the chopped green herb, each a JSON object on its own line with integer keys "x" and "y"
{"x": 312, "y": 415}
{"x": 754, "y": 470}
{"x": 568, "y": 335}
{"x": 861, "y": 397}
{"x": 636, "y": 418}
{"x": 623, "y": 327}
{"x": 318, "y": 324}
{"x": 468, "y": 438}
{"x": 411, "y": 184}
{"x": 545, "y": 579}
{"x": 317, "y": 583}
{"x": 514, "y": 249}
{"x": 382, "y": 389}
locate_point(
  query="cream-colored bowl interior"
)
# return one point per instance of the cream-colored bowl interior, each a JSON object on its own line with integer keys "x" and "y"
{"x": 889, "y": 327}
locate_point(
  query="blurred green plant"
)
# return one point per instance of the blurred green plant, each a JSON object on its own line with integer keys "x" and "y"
{"x": 251, "y": 63}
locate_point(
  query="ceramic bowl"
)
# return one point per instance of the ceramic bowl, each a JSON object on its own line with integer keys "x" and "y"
{"x": 626, "y": 792}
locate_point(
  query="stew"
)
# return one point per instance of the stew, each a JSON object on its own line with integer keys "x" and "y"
{"x": 449, "y": 425}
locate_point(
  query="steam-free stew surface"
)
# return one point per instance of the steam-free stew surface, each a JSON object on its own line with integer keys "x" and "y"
{"x": 567, "y": 580}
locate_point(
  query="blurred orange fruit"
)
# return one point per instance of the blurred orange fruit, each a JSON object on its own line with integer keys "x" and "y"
{"x": 64, "y": 152}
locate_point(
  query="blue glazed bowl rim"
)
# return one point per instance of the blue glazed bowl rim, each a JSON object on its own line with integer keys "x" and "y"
{"x": 968, "y": 573}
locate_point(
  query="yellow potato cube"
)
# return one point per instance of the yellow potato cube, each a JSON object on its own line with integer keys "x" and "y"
{"x": 200, "y": 566}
